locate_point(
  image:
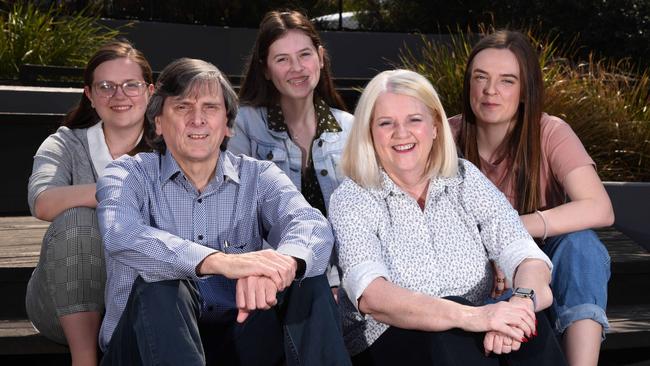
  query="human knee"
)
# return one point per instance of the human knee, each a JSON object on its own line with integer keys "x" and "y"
{"x": 164, "y": 296}
{"x": 586, "y": 247}
{"x": 82, "y": 219}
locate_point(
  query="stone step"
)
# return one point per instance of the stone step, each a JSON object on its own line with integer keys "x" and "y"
{"x": 19, "y": 337}
{"x": 630, "y": 328}
{"x": 630, "y": 269}
{"x": 20, "y": 241}
{"x": 20, "y": 244}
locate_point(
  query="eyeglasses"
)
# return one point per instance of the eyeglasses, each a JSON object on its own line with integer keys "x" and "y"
{"x": 131, "y": 88}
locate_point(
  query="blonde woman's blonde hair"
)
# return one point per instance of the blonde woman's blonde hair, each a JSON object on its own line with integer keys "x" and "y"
{"x": 360, "y": 161}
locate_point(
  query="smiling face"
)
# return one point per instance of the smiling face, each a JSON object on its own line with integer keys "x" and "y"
{"x": 495, "y": 86}
{"x": 403, "y": 131}
{"x": 194, "y": 126}
{"x": 293, "y": 65}
{"x": 120, "y": 110}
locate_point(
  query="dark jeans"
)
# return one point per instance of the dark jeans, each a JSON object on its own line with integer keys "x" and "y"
{"x": 398, "y": 346}
{"x": 160, "y": 326}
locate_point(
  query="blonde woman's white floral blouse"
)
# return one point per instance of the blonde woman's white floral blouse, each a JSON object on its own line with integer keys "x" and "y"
{"x": 443, "y": 250}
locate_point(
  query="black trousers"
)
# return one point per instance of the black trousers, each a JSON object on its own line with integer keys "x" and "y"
{"x": 398, "y": 346}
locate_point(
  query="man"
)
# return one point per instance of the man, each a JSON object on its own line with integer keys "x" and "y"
{"x": 184, "y": 227}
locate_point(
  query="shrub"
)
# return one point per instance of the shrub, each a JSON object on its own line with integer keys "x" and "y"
{"x": 616, "y": 28}
{"x": 47, "y": 37}
{"x": 606, "y": 103}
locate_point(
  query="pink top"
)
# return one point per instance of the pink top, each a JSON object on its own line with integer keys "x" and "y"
{"x": 562, "y": 152}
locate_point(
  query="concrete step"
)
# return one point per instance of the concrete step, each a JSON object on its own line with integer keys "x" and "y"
{"x": 630, "y": 328}
{"x": 20, "y": 136}
{"x": 20, "y": 244}
{"x": 630, "y": 269}
{"x": 19, "y": 337}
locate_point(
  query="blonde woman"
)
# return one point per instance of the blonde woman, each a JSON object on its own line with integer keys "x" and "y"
{"x": 416, "y": 228}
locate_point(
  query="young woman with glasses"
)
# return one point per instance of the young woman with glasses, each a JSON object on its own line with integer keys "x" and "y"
{"x": 65, "y": 295}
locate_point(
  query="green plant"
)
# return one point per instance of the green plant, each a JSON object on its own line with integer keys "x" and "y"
{"x": 444, "y": 64}
{"x": 606, "y": 103}
{"x": 47, "y": 37}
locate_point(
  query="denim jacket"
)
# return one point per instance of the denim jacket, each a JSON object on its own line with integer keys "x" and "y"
{"x": 254, "y": 138}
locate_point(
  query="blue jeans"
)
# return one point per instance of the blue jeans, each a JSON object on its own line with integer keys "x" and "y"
{"x": 160, "y": 326}
{"x": 581, "y": 270}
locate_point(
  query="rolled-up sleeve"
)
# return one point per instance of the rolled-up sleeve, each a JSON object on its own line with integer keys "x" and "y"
{"x": 505, "y": 238}
{"x": 354, "y": 216}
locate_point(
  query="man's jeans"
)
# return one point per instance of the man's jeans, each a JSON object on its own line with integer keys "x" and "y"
{"x": 160, "y": 326}
{"x": 581, "y": 270}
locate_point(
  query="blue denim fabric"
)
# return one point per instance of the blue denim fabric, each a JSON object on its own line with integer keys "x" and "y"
{"x": 505, "y": 296}
{"x": 579, "y": 282}
{"x": 254, "y": 138}
{"x": 160, "y": 325}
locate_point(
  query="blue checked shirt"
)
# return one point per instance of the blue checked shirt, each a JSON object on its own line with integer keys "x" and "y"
{"x": 157, "y": 225}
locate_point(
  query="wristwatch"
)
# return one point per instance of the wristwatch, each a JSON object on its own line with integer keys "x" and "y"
{"x": 528, "y": 293}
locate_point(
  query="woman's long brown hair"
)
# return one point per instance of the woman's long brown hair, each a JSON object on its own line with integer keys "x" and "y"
{"x": 83, "y": 115}
{"x": 256, "y": 90}
{"x": 522, "y": 144}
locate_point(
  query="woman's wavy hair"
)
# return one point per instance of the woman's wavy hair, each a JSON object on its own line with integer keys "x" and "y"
{"x": 83, "y": 115}
{"x": 256, "y": 90}
{"x": 522, "y": 144}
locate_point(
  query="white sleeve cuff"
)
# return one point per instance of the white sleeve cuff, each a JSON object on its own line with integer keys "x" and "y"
{"x": 301, "y": 252}
{"x": 357, "y": 279}
{"x": 518, "y": 251}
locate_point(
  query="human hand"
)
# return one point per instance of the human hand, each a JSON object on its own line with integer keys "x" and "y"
{"x": 526, "y": 304}
{"x": 512, "y": 320}
{"x": 253, "y": 293}
{"x": 335, "y": 293}
{"x": 280, "y": 268}
{"x": 500, "y": 344}
{"x": 499, "y": 285}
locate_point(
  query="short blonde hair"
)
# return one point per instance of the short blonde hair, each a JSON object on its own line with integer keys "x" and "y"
{"x": 360, "y": 161}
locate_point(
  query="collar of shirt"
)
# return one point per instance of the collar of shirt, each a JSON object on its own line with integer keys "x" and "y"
{"x": 437, "y": 185}
{"x": 99, "y": 153}
{"x": 324, "y": 118}
{"x": 227, "y": 170}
